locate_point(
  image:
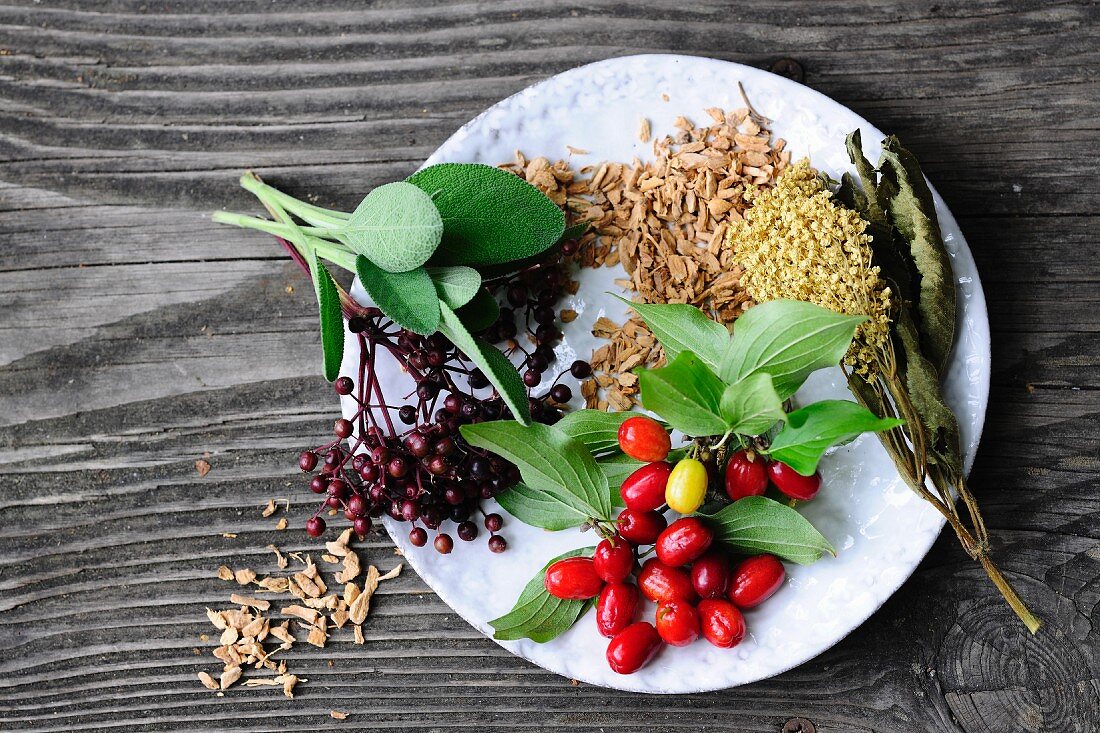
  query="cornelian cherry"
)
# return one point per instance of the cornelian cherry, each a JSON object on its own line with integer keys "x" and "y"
{"x": 633, "y": 647}
{"x": 573, "y": 579}
{"x": 710, "y": 574}
{"x": 792, "y": 483}
{"x": 756, "y": 580}
{"x": 644, "y": 439}
{"x": 617, "y": 607}
{"x": 677, "y": 623}
{"x": 685, "y": 539}
{"x": 641, "y": 528}
{"x": 644, "y": 490}
{"x": 746, "y": 475}
{"x": 613, "y": 560}
{"x": 661, "y": 583}
{"x": 721, "y": 623}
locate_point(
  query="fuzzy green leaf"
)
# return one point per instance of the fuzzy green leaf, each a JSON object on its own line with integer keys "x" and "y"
{"x": 490, "y": 216}
{"x": 752, "y": 406}
{"x": 539, "y": 508}
{"x": 548, "y": 460}
{"x": 456, "y": 285}
{"x": 789, "y": 340}
{"x": 396, "y": 225}
{"x": 681, "y": 327}
{"x": 913, "y": 213}
{"x": 537, "y": 615}
{"x": 815, "y": 428}
{"x": 686, "y": 394}
{"x": 757, "y": 524}
{"x": 495, "y": 365}
{"x": 332, "y": 319}
{"x": 480, "y": 313}
{"x": 409, "y": 298}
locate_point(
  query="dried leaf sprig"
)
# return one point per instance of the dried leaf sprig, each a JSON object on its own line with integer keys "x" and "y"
{"x": 875, "y": 249}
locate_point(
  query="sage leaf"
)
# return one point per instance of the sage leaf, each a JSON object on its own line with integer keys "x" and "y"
{"x": 409, "y": 298}
{"x": 686, "y": 393}
{"x": 456, "y": 286}
{"x": 480, "y": 313}
{"x": 332, "y": 319}
{"x": 815, "y": 428}
{"x": 490, "y": 216}
{"x": 913, "y": 213}
{"x": 752, "y": 406}
{"x": 788, "y": 339}
{"x": 539, "y": 508}
{"x": 548, "y": 460}
{"x": 682, "y": 327}
{"x": 396, "y": 225}
{"x": 757, "y": 524}
{"x": 941, "y": 427}
{"x": 495, "y": 365}
{"x": 597, "y": 430}
{"x": 537, "y": 615}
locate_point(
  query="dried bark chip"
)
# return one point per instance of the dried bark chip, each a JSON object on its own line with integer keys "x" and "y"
{"x": 337, "y": 715}
{"x": 289, "y": 681}
{"x": 229, "y": 636}
{"x": 230, "y": 675}
{"x": 306, "y": 614}
{"x": 203, "y": 467}
{"x": 351, "y": 568}
{"x": 244, "y": 576}
{"x": 269, "y": 509}
{"x": 278, "y": 556}
{"x": 392, "y": 573}
{"x": 643, "y": 130}
{"x": 281, "y": 525}
{"x": 224, "y": 573}
{"x": 282, "y": 633}
{"x": 217, "y": 618}
{"x": 359, "y": 638}
{"x": 256, "y": 603}
{"x": 207, "y": 681}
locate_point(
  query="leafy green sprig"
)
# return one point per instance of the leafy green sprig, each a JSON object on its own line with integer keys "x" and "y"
{"x": 415, "y": 246}
{"x": 718, "y": 388}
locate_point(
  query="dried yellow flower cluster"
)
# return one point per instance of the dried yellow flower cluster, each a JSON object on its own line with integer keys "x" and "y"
{"x": 796, "y": 242}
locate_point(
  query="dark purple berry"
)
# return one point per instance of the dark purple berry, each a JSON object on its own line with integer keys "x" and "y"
{"x": 444, "y": 544}
{"x": 418, "y": 536}
{"x": 407, "y": 414}
{"x": 561, "y": 394}
{"x": 517, "y": 296}
{"x": 410, "y": 510}
{"x": 342, "y": 428}
{"x": 532, "y": 378}
{"x": 493, "y": 522}
{"x": 357, "y": 506}
{"x": 497, "y": 544}
{"x": 315, "y": 526}
{"x": 338, "y": 489}
{"x": 318, "y": 484}
{"x": 580, "y": 369}
{"x": 307, "y": 461}
{"x": 369, "y": 473}
{"x": 361, "y": 525}
{"x": 467, "y": 531}
{"x": 343, "y": 385}
{"x": 397, "y": 467}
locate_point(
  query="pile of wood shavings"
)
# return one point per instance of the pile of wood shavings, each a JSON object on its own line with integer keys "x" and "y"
{"x": 665, "y": 221}
{"x": 245, "y": 627}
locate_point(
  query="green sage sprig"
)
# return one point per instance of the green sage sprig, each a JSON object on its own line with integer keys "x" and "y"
{"x": 415, "y": 245}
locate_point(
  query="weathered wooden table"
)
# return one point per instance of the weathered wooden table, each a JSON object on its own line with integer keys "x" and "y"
{"x": 137, "y": 337}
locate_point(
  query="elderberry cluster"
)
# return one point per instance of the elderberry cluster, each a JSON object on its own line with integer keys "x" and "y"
{"x": 410, "y": 461}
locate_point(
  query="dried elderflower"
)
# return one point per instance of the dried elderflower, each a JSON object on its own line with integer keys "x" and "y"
{"x": 797, "y": 242}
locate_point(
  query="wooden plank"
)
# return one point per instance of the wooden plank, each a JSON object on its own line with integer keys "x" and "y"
{"x": 137, "y": 337}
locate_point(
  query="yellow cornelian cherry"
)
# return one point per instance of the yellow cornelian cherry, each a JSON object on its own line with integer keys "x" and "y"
{"x": 687, "y": 486}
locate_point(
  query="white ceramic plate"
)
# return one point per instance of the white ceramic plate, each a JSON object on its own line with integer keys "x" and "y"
{"x": 879, "y": 527}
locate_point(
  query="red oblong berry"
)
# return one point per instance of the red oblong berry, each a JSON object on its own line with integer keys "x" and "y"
{"x": 641, "y": 528}
{"x": 710, "y": 574}
{"x": 633, "y": 647}
{"x": 613, "y": 559}
{"x": 573, "y": 579}
{"x": 677, "y": 623}
{"x": 685, "y": 539}
{"x": 792, "y": 483}
{"x": 721, "y": 623}
{"x": 756, "y": 580}
{"x": 644, "y": 439}
{"x": 661, "y": 583}
{"x": 644, "y": 490}
{"x": 746, "y": 475}
{"x": 616, "y": 608}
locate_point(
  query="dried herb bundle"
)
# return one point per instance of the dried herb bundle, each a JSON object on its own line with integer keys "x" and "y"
{"x": 909, "y": 270}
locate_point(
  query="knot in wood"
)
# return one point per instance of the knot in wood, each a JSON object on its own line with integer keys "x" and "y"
{"x": 790, "y": 69}
{"x": 798, "y": 725}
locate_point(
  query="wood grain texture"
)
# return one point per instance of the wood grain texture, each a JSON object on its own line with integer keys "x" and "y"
{"x": 136, "y": 336}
